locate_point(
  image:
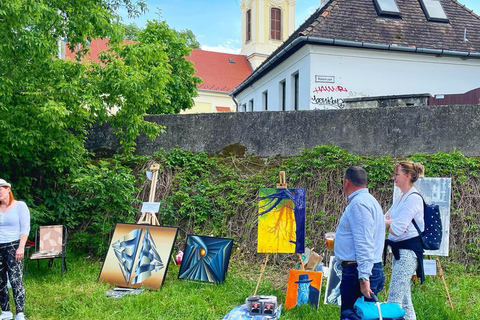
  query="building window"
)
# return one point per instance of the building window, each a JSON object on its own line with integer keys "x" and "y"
{"x": 249, "y": 26}
{"x": 296, "y": 94}
{"x": 250, "y": 105}
{"x": 275, "y": 24}
{"x": 434, "y": 11}
{"x": 283, "y": 96}
{"x": 387, "y": 7}
{"x": 265, "y": 100}
{"x": 243, "y": 108}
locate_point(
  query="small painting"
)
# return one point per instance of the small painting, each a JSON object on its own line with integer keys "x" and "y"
{"x": 332, "y": 289}
{"x": 138, "y": 256}
{"x": 281, "y": 221}
{"x": 205, "y": 258}
{"x": 303, "y": 288}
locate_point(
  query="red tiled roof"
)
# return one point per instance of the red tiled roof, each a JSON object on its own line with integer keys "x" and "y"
{"x": 217, "y": 71}
{"x": 96, "y": 46}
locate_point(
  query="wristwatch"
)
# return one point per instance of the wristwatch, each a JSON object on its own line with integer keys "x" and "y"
{"x": 362, "y": 280}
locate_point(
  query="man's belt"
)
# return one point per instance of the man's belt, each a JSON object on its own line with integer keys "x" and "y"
{"x": 346, "y": 263}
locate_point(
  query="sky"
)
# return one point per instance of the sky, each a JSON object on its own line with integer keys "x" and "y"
{"x": 217, "y": 23}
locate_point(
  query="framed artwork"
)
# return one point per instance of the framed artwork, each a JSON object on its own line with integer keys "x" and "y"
{"x": 436, "y": 191}
{"x": 303, "y": 287}
{"x": 138, "y": 256}
{"x": 205, "y": 258}
{"x": 332, "y": 289}
{"x": 281, "y": 221}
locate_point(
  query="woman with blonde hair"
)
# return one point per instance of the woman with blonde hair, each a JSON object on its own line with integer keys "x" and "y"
{"x": 403, "y": 237}
{"x": 14, "y": 229}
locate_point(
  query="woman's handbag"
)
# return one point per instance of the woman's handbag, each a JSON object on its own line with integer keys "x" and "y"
{"x": 378, "y": 311}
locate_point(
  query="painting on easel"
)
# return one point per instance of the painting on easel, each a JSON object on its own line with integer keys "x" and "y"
{"x": 138, "y": 256}
{"x": 205, "y": 258}
{"x": 281, "y": 221}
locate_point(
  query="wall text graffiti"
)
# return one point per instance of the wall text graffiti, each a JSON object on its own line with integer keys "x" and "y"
{"x": 320, "y": 89}
{"x": 329, "y": 101}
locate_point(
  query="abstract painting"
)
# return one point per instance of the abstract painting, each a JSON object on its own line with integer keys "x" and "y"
{"x": 303, "y": 288}
{"x": 281, "y": 221}
{"x": 436, "y": 191}
{"x": 332, "y": 289}
{"x": 138, "y": 256}
{"x": 205, "y": 258}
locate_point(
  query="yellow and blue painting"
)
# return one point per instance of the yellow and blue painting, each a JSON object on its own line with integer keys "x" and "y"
{"x": 205, "y": 258}
{"x": 138, "y": 256}
{"x": 281, "y": 221}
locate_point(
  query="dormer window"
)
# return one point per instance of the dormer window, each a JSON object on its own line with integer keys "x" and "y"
{"x": 387, "y": 7}
{"x": 275, "y": 24}
{"x": 433, "y": 10}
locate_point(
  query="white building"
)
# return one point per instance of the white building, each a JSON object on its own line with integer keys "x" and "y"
{"x": 359, "y": 48}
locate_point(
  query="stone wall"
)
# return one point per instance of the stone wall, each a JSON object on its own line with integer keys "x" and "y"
{"x": 398, "y": 131}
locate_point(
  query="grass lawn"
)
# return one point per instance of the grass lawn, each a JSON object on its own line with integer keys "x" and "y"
{"x": 78, "y": 295}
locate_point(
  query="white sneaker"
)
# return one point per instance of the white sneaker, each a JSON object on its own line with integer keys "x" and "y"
{"x": 6, "y": 315}
{"x": 20, "y": 316}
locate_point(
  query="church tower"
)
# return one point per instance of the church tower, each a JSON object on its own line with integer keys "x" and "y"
{"x": 266, "y": 24}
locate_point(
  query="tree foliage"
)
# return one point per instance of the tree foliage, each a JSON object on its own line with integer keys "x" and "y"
{"x": 47, "y": 103}
{"x": 130, "y": 31}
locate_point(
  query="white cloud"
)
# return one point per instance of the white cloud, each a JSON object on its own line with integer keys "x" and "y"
{"x": 225, "y": 48}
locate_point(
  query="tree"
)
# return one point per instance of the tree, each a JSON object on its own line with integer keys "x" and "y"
{"x": 181, "y": 87}
{"x": 189, "y": 37}
{"x": 47, "y": 103}
{"x": 130, "y": 31}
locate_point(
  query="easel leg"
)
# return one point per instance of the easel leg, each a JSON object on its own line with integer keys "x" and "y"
{"x": 440, "y": 272}
{"x": 262, "y": 270}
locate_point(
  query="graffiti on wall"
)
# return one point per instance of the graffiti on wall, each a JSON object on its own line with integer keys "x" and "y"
{"x": 328, "y": 101}
{"x": 330, "y": 95}
{"x": 329, "y": 89}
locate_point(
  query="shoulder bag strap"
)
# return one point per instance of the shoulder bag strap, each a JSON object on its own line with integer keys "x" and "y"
{"x": 413, "y": 220}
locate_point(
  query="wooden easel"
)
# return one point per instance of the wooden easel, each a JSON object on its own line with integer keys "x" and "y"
{"x": 151, "y": 217}
{"x": 440, "y": 273}
{"x": 281, "y": 185}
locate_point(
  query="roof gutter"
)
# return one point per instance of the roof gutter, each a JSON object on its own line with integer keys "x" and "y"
{"x": 302, "y": 40}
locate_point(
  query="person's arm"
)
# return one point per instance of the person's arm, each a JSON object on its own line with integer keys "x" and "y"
{"x": 400, "y": 224}
{"x": 20, "y": 253}
{"x": 24, "y": 217}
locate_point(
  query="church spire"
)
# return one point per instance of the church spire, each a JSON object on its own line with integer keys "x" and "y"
{"x": 266, "y": 24}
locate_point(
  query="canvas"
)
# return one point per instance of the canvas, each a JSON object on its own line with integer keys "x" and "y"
{"x": 138, "y": 256}
{"x": 436, "y": 191}
{"x": 205, "y": 258}
{"x": 332, "y": 289}
{"x": 281, "y": 221}
{"x": 303, "y": 287}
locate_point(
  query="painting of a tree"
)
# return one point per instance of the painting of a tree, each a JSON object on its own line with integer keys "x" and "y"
{"x": 281, "y": 221}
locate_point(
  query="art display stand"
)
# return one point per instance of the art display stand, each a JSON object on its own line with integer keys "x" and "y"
{"x": 151, "y": 217}
{"x": 281, "y": 185}
{"x": 440, "y": 273}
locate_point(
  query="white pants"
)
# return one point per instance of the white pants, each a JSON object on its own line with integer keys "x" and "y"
{"x": 400, "y": 283}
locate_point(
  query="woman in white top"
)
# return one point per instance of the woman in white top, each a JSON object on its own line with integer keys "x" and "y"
{"x": 403, "y": 237}
{"x": 14, "y": 229}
